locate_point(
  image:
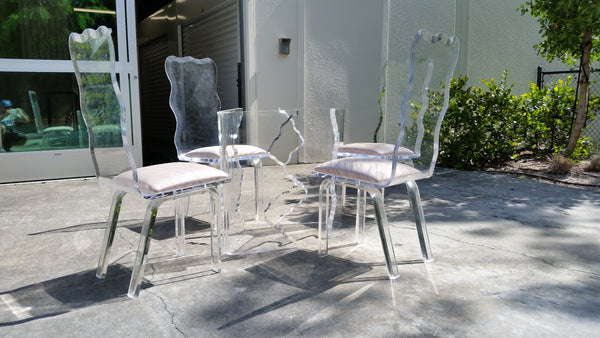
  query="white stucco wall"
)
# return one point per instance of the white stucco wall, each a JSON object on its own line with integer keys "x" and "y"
{"x": 276, "y": 76}
{"x": 342, "y": 62}
{"x": 346, "y": 44}
{"x": 339, "y": 46}
{"x": 499, "y": 39}
{"x": 272, "y": 80}
{"x": 335, "y": 61}
{"x": 406, "y": 17}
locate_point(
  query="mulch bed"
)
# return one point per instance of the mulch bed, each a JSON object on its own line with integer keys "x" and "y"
{"x": 540, "y": 170}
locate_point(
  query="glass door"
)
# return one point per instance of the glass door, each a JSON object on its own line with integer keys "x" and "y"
{"x": 43, "y": 133}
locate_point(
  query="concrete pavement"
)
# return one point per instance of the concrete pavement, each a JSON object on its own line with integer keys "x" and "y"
{"x": 512, "y": 257}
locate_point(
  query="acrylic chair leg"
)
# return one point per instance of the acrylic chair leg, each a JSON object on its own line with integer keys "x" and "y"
{"x": 214, "y": 199}
{"x": 361, "y": 213}
{"x": 234, "y": 194}
{"x": 140, "y": 259}
{"x": 181, "y": 210}
{"x": 258, "y": 193}
{"x": 326, "y": 214}
{"x": 109, "y": 234}
{"x": 415, "y": 202}
{"x": 217, "y": 230}
{"x": 344, "y": 196}
{"x": 361, "y": 205}
{"x": 384, "y": 233}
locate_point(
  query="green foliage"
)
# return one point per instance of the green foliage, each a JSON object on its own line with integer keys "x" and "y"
{"x": 481, "y": 128}
{"x": 562, "y": 26}
{"x": 429, "y": 119}
{"x": 570, "y": 32}
{"x": 380, "y": 114}
{"x": 583, "y": 149}
{"x": 9, "y": 29}
{"x": 39, "y": 29}
{"x": 547, "y": 116}
{"x": 486, "y": 127}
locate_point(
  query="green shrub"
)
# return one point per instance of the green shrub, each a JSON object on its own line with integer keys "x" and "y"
{"x": 486, "y": 127}
{"x": 547, "y": 116}
{"x": 481, "y": 128}
{"x": 583, "y": 149}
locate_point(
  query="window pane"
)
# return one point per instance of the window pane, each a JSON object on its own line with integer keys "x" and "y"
{"x": 39, "y": 29}
{"x": 52, "y": 118}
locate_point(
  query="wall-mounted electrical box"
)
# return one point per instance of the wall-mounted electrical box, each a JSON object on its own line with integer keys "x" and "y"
{"x": 284, "y": 46}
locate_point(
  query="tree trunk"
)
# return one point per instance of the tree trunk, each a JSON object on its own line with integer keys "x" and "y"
{"x": 580, "y": 115}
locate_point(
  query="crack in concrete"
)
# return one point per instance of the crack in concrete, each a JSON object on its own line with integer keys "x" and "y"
{"x": 124, "y": 239}
{"x": 171, "y": 314}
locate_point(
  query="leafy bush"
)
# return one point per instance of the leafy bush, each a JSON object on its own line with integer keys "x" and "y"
{"x": 486, "y": 127}
{"x": 547, "y": 116}
{"x": 481, "y": 128}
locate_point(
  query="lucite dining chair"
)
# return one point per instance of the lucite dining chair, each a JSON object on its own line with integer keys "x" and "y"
{"x": 103, "y": 108}
{"x": 395, "y": 74}
{"x": 433, "y": 58}
{"x": 52, "y": 137}
{"x": 195, "y": 102}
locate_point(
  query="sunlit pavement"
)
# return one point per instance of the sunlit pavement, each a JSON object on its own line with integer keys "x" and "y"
{"x": 512, "y": 257}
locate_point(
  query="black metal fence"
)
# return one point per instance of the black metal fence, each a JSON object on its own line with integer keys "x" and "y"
{"x": 593, "y": 127}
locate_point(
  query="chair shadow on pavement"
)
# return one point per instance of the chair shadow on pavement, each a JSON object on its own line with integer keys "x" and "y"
{"x": 164, "y": 227}
{"x": 82, "y": 289}
{"x": 303, "y": 270}
{"x": 62, "y": 295}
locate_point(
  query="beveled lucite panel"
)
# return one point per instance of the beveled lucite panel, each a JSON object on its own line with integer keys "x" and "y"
{"x": 100, "y": 101}
{"x": 194, "y": 101}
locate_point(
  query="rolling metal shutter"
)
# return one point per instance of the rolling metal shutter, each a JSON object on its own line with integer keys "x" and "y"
{"x": 216, "y": 34}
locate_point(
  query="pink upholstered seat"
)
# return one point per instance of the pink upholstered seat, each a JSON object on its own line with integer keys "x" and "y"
{"x": 371, "y": 149}
{"x": 375, "y": 171}
{"x": 168, "y": 177}
{"x": 244, "y": 152}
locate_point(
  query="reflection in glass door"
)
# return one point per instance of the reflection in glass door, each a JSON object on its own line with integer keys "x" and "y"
{"x": 44, "y": 115}
{"x": 43, "y": 133}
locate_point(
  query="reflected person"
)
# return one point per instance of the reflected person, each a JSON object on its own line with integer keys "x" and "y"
{"x": 9, "y": 117}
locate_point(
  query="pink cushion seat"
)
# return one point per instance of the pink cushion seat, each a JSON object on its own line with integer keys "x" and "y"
{"x": 372, "y": 170}
{"x": 374, "y": 149}
{"x": 166, "y": 177}
{"x": 213, "y": 152}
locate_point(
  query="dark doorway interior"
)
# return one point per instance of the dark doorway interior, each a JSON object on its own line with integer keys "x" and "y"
{"x": 144, "y": 8}
{"x": 204, "y": 32}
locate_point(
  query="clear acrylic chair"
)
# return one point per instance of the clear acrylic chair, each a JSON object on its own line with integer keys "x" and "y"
{"x": 52, "y": 137}
{"x": 433, "y": 58}
{"x": 104, "y": 109}
{"x": 395, "y": 82}
{"x": 194, "y": 99}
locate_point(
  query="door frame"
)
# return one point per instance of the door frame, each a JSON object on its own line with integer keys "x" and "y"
{"x": 70, "y": 163}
